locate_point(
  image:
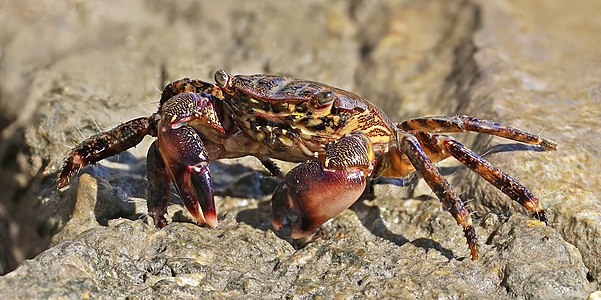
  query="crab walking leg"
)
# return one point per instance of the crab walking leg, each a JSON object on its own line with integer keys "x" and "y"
{"x": 159, "y": 186}
{"x": 105, "y": 144}
{"x": 316, "y": 191}
{"x": 462, "y": 123}
{"x": 409, "y": 145}
{"x": 486, "y": 170}
{"x": 272, "y": 167}
{"x": 187, "y": 163}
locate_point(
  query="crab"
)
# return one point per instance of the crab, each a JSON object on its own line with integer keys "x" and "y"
{"x": 341, "y": 141}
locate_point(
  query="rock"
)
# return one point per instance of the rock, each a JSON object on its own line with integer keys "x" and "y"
{"x": 548, "y": 84}
{"x": 83, "y": 217}
{"x": 185, "y": 260}
{"x": 500, "y": 60}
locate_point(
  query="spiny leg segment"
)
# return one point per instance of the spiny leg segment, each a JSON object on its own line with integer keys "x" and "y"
{"x": 105, "y": 144}
{"x": 462, "y": 123}
{"x": 273, "y": 168}
{"x": 159, "y": 186}
{"x": 410, "y": 146}
{"x": 498, "y": 178}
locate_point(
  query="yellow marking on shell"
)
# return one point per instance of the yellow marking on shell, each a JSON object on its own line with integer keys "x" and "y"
{"x": 260, "y": 136}
{"x": 378, "y": 134}
{"x": 254, "y": 101}
{"x": 314, "y": 122}
{"x": 305, "y": 133}
{"x": 216, "y": 91}
{"x": 286, "y": 141}
{"x": 173, "y": 118}
{"x": 380, "y": 139}
{"x": 306, "y": 150}
{"x": 326, "y": 162}
{"x": 260, "y": 111}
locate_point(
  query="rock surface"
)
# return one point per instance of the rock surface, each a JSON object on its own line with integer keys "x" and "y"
{"x": 533, "y": 65}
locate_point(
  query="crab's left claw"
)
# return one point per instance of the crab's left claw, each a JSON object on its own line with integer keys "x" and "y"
{"x": 314, "y": 191}
{"x": 310, "y": 196}
{"x": 187, "y": 163}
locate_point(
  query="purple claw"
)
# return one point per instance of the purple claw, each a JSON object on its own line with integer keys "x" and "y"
{"x": 310, "y": 196}
{"x": 187, "y": 163}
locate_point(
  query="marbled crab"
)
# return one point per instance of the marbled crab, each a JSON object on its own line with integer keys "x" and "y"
{"x": 340, "y": 140}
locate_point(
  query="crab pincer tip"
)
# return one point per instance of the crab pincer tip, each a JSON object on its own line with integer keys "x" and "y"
{"x": 211, "y": 219}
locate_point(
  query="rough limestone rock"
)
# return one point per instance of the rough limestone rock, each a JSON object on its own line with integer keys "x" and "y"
{"x": 70, "y": 69}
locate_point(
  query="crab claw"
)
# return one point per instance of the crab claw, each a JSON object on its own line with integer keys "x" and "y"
{"x": 310, "y": 196}
{"x": 191, "y": 108}
{"x": 187, "y": 163}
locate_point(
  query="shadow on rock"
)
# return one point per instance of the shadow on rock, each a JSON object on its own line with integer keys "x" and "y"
{"x": 371, "y": 218}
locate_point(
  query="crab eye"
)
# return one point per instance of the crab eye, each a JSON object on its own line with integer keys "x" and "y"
{"x": 325, "y": 97}
{"x": 221, "y": 78}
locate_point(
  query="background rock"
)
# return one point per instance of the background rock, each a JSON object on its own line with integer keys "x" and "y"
{"x": 70, "y": 69}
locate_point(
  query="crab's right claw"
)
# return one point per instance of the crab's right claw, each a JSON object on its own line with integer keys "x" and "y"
{"x": 187, "y": 163}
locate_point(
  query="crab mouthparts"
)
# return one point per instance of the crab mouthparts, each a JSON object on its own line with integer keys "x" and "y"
{"x": 211, "y": 120}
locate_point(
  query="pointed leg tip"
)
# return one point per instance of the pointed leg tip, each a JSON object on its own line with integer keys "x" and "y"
{"x": 65, "y": 176}
{"x": 157, "y": 213}
{"x": 472, "y": 241}
{"x": 548, "y": 145}
{"x": 474, "y": 252}
{"x": 541, "y": 215}
{"x": 277, "y": 225}
{"x": 160, "y": 222}
{"x": 61, "y": 182}
{"x": 70, "y": 167}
